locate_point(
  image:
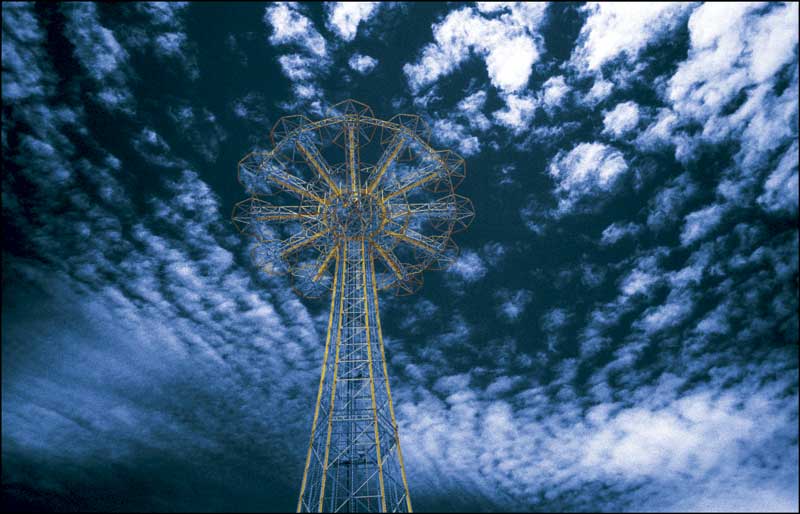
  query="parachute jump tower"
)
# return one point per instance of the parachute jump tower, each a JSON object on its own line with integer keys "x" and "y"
{"x": 354, "y": 205}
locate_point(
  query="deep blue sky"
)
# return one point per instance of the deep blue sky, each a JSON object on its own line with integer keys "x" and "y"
{"x": 619, "y": 333}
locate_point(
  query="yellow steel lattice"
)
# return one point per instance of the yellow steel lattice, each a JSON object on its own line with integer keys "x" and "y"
{"x": 353, "y": 204}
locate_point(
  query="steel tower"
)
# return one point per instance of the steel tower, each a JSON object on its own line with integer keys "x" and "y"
{"x": 353, "y": 205}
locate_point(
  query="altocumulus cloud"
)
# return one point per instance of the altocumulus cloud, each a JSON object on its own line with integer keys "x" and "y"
{"x": 586, "y": 171}
{"x": 506, "y": 43}
{"x": 345, "y": 17}
{"x": 362, "y": 63}
{"x": 635, "y": 351}
{"x": 128, "y": 295}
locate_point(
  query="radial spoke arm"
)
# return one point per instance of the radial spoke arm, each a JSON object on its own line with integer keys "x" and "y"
{"x": 293, "y": 184}
{"x": 351, "y": 151}
{"x": 386, "y": 159}
{"x": 391, "y": 261}
{"x": 455, "y": 210}
{"x": 255, "y": 210}
{"x": 415, "y": 179}
{"x": 266, "y": 167}
{"x": 436, "y": 209}
{"x": 242, "y": 215}
{"x": 267, "y": 212}
{"x": 417, "y": 240}
{"x": 314, "y": 159}
{"x": 298, "y": 241}
{"x": 325, "y": 262}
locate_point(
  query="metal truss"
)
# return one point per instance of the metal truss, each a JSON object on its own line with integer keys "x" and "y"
{"x": 352, "y": 204}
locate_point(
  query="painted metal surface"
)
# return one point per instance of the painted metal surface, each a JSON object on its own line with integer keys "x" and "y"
{"x": 352, "y": 205}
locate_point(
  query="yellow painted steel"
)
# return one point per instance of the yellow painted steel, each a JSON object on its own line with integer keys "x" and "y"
{"x": 329, "y": 200}
{"x": 388, "y": 261}
{"x": 335, "y": 372}
{"x": 372, "y": 377}
{"x": 386, "y": 378}
{"x": 284, "y": 217}
{"x": 319, "y": 392}
{"x": 412, "y": 241}
{"x": 324, "y": 265}
{"x": 297, "y": 190}
{"x": 322, "y": 173}
{"x": 409, "y": 187}
{"x": 351, "y": 158}
{"x": 304, "y": 242}
{"x": 385, "y": 166}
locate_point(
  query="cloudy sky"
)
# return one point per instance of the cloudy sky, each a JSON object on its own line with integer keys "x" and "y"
{"x": 619, "y": 332}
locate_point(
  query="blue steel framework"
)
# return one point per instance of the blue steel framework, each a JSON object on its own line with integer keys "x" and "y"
{"x": 341, "y": 209}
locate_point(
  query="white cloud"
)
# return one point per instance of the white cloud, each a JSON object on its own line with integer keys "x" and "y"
{"x": 471, "y": 107}
{"x": 24, "y": 71}
{"x": 587, "y": 170}
{"x": 513, "y": 303}
{"x": 473, "y": 103}
{"x": 100, "y": 54}
{"x": 673, "y": 438}
{"x": 454, "y": 132}
{"x": 162, "y": 13}
{"x": 170, "y": 40}
{"x": 517, "y": 114}
{"x": 362, "y": 63}
{"x": 741, "y": 498}
{"x": 640, "y": 442}
{"x": 716, "y": 321}
{"x": 95, "y": 46}
{"x": 155, "y": 150}
{"x": 614, "y": 29}
{"x": 635, "y": 288}
{"x": 554, "y": 90}
{"x": 306, "y": 91}
{"x": 494, "y": 253}
{"x": 469, "y": 267}
{"x": 251, "y": 107}
{"x": 692, "y": 273}
{"x": 344, "y": 17}
{"x": 622, "y": 119}
{"x": 153, "y": 293}
{"x": 781, "y": 187}
{"x": 700, "y": 223}
{"x": 506, "y": 174}
{"x": 668, "y": 203}
{"x": 297, "y": 67}
{"x": 165, "y": 281}
{"x": 170, "y": 43}
{"x": 729, "y": 84}
{"x": 554, "y": 319}
{"x": 678, "y": 307}
{"x": 451, "y": 133}
{"x": 617, "y": 231}
{"x": 506, "y": 43}
{"x": 731, "y": 49}
{"x": 200, "y": 127}
{"x": 638, "y": 281}
{"x": 599, "y": 91}
{"x": 452, "y": 384}
{"x": 659, "y": 133}
{"x": 290, "y": 26}
{"x": 509, "y": 64}
{"x": 658, "y": 443}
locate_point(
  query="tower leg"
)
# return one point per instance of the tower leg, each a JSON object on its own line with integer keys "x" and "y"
{"x": 354, "y": 462}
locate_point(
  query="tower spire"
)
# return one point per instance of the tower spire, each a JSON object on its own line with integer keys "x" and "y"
{"x": 352, "y": 214}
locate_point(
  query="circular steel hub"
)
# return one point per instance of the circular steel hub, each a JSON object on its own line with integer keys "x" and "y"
{"x": 355, "y": 215}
